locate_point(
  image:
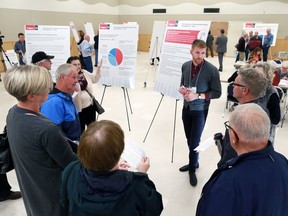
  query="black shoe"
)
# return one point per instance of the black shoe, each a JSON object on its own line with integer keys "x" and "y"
{"x": 185, "y": 168}
{"x": 220, "y": 70}
{"x": 193, "y": 179}
{"x": 12, "y": 196}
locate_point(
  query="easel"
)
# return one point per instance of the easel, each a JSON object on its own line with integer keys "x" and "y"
{"x": 126, "y": 97}
{"x": 156, "y": 59}
{"x": 3, "y": 61}
{"x": 174, "y": 126}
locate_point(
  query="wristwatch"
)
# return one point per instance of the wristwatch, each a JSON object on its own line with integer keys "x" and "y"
{"x": 199, "y": 96}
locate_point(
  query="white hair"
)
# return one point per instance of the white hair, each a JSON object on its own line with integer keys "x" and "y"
{"x": 251, "y": 123}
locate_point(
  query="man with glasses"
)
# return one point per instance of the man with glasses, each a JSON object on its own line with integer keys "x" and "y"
{"x": 248, "y": 86}
{"x": 284, "y": 71}
{"x": 199, "y": 84}
{"x": 255, "y": 181}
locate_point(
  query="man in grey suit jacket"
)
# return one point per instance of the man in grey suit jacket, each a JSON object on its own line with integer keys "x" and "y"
{"x": 221, "y": 42}
{"x": 200, "y": 83}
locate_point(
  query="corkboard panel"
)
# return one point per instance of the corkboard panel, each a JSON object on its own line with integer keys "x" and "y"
{"x": 215, "y": 28}
{"x": 144, "y": 42}
{"x": 281, "y": 46}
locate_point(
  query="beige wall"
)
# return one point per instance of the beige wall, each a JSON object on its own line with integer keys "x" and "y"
{"x": 12, "y": 21}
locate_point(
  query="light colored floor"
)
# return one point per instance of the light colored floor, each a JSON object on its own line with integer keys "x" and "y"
{"x": 178, "y": 196}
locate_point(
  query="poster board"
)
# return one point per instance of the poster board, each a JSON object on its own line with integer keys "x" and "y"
{"x": 118, "y": 49}
{"x": 74, "y": 32}
{"x": 179, "y": 36}
{"x": 157, "y": 39}
{"x": 53, "y": 40}
{"x": 12, "y": 56}
{"x": 261, "y": 29}
{"x": 89, "y": 30}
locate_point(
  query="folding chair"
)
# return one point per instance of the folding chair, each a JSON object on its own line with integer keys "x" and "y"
{"x": 230, "y": 101}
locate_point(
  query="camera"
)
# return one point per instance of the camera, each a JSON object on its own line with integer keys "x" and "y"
{"x": 218, "y": 138}
{"x": 1, "y": 41}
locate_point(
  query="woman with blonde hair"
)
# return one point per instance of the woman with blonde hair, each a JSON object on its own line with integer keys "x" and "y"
{"x": 39, "y": 150}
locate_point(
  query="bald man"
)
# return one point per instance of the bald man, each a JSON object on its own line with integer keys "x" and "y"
{"x": 254, "y": 182}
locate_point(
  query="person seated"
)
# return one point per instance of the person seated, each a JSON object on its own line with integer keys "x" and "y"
{"x": 255, "y": 55}
{"x": 284, "y": 71}
{"x": 276, "y": 78}
{"x": 270, "y": 98}
{"x": 255, "y": 181}
{"x": 99, "y": 184}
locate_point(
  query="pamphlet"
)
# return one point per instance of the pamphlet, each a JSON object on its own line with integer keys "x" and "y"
{"x": 132, "y": 153}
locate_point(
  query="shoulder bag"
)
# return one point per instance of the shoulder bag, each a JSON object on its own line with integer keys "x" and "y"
{"x": 96, "y": 105}
{"x": 6, "y": 163}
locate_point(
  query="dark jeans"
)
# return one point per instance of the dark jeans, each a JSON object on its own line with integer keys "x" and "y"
{"x": 211, "y": 51}
{"x": 220, "y": 59}
{"x": 194, "y": 122}
{"x": 265, "y": 53}
{"x": 88, "y": 64}
{"x": 5, "y": 188}
{"x": 87, "y": 116}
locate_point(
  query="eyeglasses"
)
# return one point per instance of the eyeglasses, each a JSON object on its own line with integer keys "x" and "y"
{"x": 227, "y": 126}
{"x": 236, "y": 84}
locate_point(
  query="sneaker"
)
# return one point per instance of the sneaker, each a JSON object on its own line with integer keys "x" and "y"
{"x": 185, "y": 168}
{"x": 12, "y": 196}
{"x": 193, "y": 179}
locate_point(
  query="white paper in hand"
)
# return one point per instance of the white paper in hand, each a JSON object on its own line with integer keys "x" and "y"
{"x": 205, "y": 144}
{"x": 132, "y": 153}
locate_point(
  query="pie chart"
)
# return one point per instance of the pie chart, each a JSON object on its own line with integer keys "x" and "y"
{"x": 115, "y": 57}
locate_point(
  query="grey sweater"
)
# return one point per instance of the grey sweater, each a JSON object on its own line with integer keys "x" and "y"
{"x": 207, "y": 81}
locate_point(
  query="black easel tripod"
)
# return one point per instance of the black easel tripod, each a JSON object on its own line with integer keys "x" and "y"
{"x": 174, "y": 125}
{"x": 3, "y": 51}
{"x": 126, "y": 97}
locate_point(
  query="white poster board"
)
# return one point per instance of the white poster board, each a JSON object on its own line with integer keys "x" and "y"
{"x": 89, "y": 30}
{"x": 53, "y": 40}
{"x": 12, "y": 56}
{"x": 157, "y": 39}
{"x": 261, "y": 29}
{"x": 74, "y": 32}
{"x": 118, "y": 49}
{"x": 179, "y": 36}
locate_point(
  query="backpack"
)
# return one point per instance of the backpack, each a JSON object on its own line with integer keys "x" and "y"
{"x": 6, "y": 163}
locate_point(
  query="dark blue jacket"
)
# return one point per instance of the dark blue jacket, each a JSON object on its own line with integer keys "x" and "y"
{"x": 253, "y": 184}
{"x": 110, "y": 193}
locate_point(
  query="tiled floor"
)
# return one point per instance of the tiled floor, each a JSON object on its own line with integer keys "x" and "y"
{"x": 178, "y": 196}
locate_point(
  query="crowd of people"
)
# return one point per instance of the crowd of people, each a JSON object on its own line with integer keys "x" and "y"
{"x": 53, "y": 135}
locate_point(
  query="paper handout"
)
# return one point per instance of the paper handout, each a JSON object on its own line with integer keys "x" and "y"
{"x": 205, "y": 144}
{"x": 132, "y": 153}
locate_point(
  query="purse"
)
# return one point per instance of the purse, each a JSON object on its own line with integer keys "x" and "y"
{"x": 6, "y": 162}
{"x": 96, "y": 105}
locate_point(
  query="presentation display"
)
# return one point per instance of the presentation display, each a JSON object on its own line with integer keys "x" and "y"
{"x": 118, "y": 49}
{"x": 157, "y": 39}
{"x": 53, "y": 40}
{"x": 261, "y": 29}
{"x": 178, "y": 38}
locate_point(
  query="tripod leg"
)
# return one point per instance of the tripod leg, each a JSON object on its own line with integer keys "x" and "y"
{"x": 153, "y": 117}
{"x": 129, "y": 100}
{"x": 126, "y": 108}
{"x": 174, "y": 128}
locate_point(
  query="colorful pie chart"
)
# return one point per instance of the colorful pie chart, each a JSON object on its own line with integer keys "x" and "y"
{"x": 115, "y": 57}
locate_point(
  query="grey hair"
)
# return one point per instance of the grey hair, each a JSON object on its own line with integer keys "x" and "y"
{"x": 29, "y": 79}
{"x": 251, "y": 121}
{"x": 256, "y": 82}
{"x": 64, "y": 70}
{"x": 268, "y": 73}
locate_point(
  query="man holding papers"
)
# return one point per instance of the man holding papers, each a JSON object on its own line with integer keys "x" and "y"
{"x": 199, "y": 84}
